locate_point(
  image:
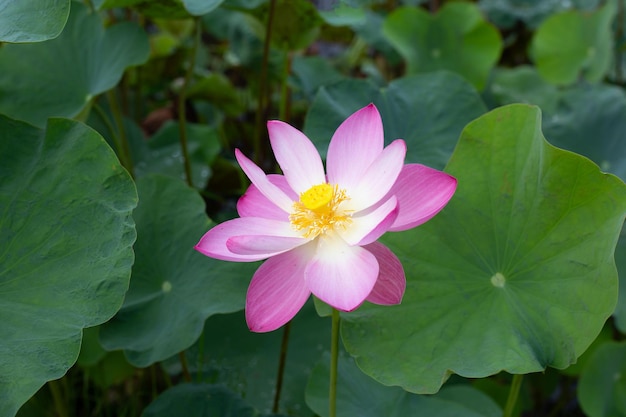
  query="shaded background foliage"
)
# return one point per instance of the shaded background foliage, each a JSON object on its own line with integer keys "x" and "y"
{"x": 108, "y": 105}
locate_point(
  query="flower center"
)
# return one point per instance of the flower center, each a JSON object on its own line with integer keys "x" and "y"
{"x": 318, "y": 210}
{"x": 317, "y": 197}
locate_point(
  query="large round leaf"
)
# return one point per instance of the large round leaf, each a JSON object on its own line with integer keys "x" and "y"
{"x": 59, "y": 77}
{"x": 457, "y": 38}
{"x": 32, "y": 20}
{"x": 586, "y": 50}
{"x": 515, "y": 274}
{"x": 65, "y": 248}
{"x": 602, "y": 387}
{"x": 428, "y": 111}
{"x": 173, "y": 288}
{"x": 591, "y": 120}
{"x": 359, "y": 395}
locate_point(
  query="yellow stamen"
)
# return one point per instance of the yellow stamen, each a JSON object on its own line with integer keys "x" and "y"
{"x": 317, "y": 197}
{"x": 319, "y": 212}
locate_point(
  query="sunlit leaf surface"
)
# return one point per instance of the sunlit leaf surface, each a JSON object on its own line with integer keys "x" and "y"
{"x": 512, "y": 258}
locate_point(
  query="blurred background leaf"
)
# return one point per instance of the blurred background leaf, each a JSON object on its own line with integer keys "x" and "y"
{"x": 457, "y": 39}
{"x": 575, "y": 44}
{"x": 60, "y": 77}
{"x": 428, "y": 111}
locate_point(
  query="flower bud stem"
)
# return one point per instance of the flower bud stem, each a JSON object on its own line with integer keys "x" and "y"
{"x": 334, "y": 356}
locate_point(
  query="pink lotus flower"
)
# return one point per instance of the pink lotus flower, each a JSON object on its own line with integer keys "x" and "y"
{"x": 318, "y": 230}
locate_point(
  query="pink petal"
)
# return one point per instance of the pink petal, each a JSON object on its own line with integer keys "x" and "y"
{"x": 391, "y": 282}
{"x": 422, "y": 192}
{"x": 357, "y": 142}
{"x": 277, "y": 290}
{"x": 214, "y": 242}
{"x": 255, "y": 204}
{"x": 263, "y": 184}
{"x": 369, "y": 227}
{"x": 378, "y": 179}
{"x": 341, "y": 275}
{"x": 263, "y": 245}
{"x": 297, "y": 156}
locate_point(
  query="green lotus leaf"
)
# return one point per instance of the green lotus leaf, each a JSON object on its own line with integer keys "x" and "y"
{"x": 343, "y": 13}
{"x": 91, "y": 352}
{"x": 311, "y": 72}
{"x": 620, "y": 260}
{"x": 505, "y": 13}
{"x": 164, "y": 9}
{"x": 359, "y": 395}
{"x": 428, "y": 111}
{"x": 59, "y": 77}
{"x": 201, "y": 7}
{"x": 601, "y": 388}
{"x": 66, "y": 240}
{"x": 523, "y": 84}
{"x": 199, "y": 400}
{"x": 32, "y": 20}
{"x": 591, "y": 120}
{"x": 515, "y": 274}
{"x": 457, "y": 38}
{"x": 247, "y": 362}
{"x": 173, "y": 288}
{"x": 586, "y": 51}
{"x": 162, "y": 154}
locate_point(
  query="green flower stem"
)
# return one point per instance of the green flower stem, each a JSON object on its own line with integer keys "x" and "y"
{"x": 89, "y": 4}
{"x": 184, "y": 366}
{"x": 119, "y": 147}
{"x": 281, "y": 366}
{"x": 619, "y": 32}
{"x": 200, "y": 361}
{"x": 283, "y": 107}
{"x": 516, "y": 384}
{"x": 182, "y": 119}
{"x": 153, "y": 381}
{"x": 121, "y": 140}
{"x": 57, "y": 398}
{"x": 263, "y": 90}
{"x": 334, "y": 356}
